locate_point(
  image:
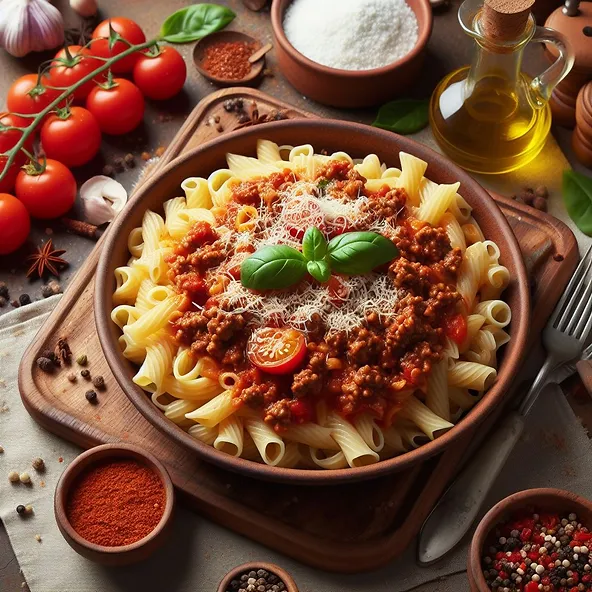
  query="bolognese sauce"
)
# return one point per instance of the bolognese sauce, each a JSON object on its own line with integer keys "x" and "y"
{"x": 370, "y": 364}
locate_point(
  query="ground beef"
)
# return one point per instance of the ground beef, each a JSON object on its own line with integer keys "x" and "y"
{"x": 425, "y": 245}
{"x": 410, "y": 275}
{"x": 310, "y": 380}
{"x": 258, "y": 395}
{"x": 278, "y": 413}
{"x": 264, "y": 189}
{"x": 359, "y": 386}
{"x": 363, "y": 345}
{"x": 337, "y": 343}
{"x": 213, "y": 332}
{"x": 390, "y": 205}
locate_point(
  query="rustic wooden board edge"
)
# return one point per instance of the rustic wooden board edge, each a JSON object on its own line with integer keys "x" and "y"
{"x": 340, "y": 557}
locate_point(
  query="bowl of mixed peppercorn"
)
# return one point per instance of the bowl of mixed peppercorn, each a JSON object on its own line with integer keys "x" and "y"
{"x": 538, "y": 540}
{"x": 257, "y": 577}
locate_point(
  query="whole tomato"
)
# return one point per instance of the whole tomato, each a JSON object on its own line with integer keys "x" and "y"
{"x": 14, "y": 223}
{"x": 161, "y": 74}
{"x": 118, "y": 106}
{"x": 71, "y": 136}
{"x": 70, "y": 65}
{"x": 8, "y": 138}
{"x": 26, "y": 96}
{"x": 46, "y": 191}
{"x": 129, "y": 30}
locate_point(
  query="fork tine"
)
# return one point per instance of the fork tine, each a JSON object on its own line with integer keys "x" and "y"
{"x": 584, "y": 305}
{"x": 583, "y": 330}
{"x": 559, "y": 315}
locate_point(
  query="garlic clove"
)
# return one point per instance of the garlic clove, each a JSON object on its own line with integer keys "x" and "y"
{"x": 102, "y": 199}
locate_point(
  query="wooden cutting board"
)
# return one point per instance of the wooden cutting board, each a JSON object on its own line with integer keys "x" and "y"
{"x": 347, "y": 528}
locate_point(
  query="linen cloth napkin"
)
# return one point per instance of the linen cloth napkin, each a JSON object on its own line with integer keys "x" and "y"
{"x": 554, "y": 451}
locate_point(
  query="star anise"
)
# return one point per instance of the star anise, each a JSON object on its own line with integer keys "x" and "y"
{"x": 254, "y": 118}
{"x": 46, "y": 259}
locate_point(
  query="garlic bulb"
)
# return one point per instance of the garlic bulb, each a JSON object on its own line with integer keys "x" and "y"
{"x": 84, "y": 8}
{"x": 29, "y": 25}
{"x": 102, "y": 198}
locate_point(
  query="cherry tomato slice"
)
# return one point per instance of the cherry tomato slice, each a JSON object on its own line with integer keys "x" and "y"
{"x": 276, "y": 350}
{"x": 455, "y": 327}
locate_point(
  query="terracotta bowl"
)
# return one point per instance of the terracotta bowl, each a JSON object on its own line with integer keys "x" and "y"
{"x": 227, "y": 37}
{"x": 126, "y": 554}
{"x": 546, "y": 500}
{"x": 358, "y": 140}
{"x": 351, "y": 88}
{"x": 270, "y": 567}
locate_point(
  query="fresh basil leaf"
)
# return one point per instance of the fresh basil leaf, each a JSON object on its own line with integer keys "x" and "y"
{"x": 273, "y": 268}
{"x": 319, "y": 270}
{"x": 314, "y": 245}
{"x": 195, "y": 22}
{"x": 405, "y": 116}
{"x": 577, "y": 196}
{"x": 356, "y": 253}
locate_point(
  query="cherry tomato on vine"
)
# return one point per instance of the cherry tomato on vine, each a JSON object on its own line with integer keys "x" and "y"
{"x": 14, "y": 223}
{"x": 160, "y": 74}
{"x": 70, "y": 65}
{"x": 118, "y": 108}
{"x": 129, "y": 30}
{"x": 8, "y": 138}
{"x": 71, "y": 136}
{"x": 46, "y": 191}
{"x": 25, "y": 96}
{"x": 276, "y": 350}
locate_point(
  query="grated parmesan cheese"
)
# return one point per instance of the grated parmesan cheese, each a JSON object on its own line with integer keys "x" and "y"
{"x": 302, "y": 202}
{"x": 351, "y": 34}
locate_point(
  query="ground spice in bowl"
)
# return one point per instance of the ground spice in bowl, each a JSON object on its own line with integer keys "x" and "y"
{"x": 116, "y": 502}
{"x": 228, "y": 59}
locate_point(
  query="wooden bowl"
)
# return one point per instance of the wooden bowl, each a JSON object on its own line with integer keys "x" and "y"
{"x": 227, "y": 37}
{"x": 546, "y": 500}
{"x": 270, "y": 567}
{"x": 351, "y": 88}
{"x": 125, "y": 554}
{"x": 332, "y": 135}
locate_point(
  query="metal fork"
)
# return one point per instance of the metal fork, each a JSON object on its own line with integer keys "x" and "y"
{"x": 563, "y": 338}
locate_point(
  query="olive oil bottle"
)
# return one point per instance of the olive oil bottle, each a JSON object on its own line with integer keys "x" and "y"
{"x": 490, "y": 117}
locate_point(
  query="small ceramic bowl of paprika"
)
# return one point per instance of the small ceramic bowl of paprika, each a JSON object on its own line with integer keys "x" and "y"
{"x": 114, "y": 504}
{"x": 547, "y": 501}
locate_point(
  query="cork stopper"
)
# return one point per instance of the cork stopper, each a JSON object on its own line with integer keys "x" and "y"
{"x": 505, "y": 20}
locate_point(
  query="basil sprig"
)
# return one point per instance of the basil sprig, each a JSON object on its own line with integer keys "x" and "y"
{"x": 352, "y": 253}
{"x": 195, "y": 22}
{"x": 577, "y": 196}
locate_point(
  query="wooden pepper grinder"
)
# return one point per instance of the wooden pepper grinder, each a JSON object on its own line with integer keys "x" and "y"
{"x": 582, "y": 137}
{"x": 574, "y": 20}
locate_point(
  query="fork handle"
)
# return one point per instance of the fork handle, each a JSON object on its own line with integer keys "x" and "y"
{"x": 537, "y": 386}
{"x": 457, "y": 509}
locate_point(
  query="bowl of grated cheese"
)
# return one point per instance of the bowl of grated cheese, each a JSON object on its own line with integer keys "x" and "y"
{"x": 351, "y": 53}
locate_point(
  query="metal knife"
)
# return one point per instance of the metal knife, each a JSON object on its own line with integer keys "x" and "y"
{"x": 457, "y": 509}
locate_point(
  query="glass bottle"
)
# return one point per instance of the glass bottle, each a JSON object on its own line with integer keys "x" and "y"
{"x": 490, "y": 117}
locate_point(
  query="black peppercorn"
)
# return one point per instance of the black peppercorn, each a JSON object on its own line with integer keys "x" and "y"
{"x": 108, "y": 170}
{"x": 3, "y": 290}
{"x": 130, "y": 160}
{"x": 118, "y": 164}
{"x": 3, "y": 302}
{"x": 24, "y": 299}
{"x": 46, "y": 291}
{"x": 85, "y": 373}
{"x": 540, "y": 203}
{"x": 98, "y": 382}
{"x": 45, "y": 364}
{"x": 91, "y": 396}
{"x": 20, "y": 509}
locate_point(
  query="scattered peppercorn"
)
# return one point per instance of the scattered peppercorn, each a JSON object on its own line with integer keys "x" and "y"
{"x": 24, "y": 299}
{"x": 25, "y": 477}
{"x": 82, "y": 360}
{"x": 542, "y": 191}
{"x": 118, "y": 163}
{"x": 256, "y": 581}
{"x": 130, "y": 160}
{"x": 234, "y": 105}
{"x": 1, "y": 449}
{"x": 146, "y": 156}
{"x": 63, "y": 351}
{"x": 14, "y": 303}
{"x": 85, "y": 373}
{"x": 558, "y": 257}
{"x": 98, "y": 382}
{"x": 91, "y": 396}
{"x": 159, "y": 151}
{"x": 108, "y": 170}
{"x": 28, "y": 509}
{"x": 38, "y": 538}
{"x": 56, "y": 288}
{"x": 219, "y": 128}
{"x": 38, "y": 464}
{"x": 3, "y": 302}
{"x": 71, "y": 377}
{"x": 13, "y": 476}
{"x": 20, "y": 509}
{"x": 47, "y": 353}
{"x": 45, "y": 364}
{"x": 4, "y": 290}
{"x": 46, "y": 291}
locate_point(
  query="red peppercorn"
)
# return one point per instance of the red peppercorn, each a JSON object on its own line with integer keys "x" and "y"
{"x": 503, "y": 575}
{"x": 531, "y": 587}
{"x": 533, "y": 555}
{"x": 586, "y": 578}
{"x": 526, "y": 534}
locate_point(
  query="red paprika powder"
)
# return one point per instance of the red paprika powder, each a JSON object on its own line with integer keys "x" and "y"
{"x": 116, "y": 503}
{"x": 228, "y": 60}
